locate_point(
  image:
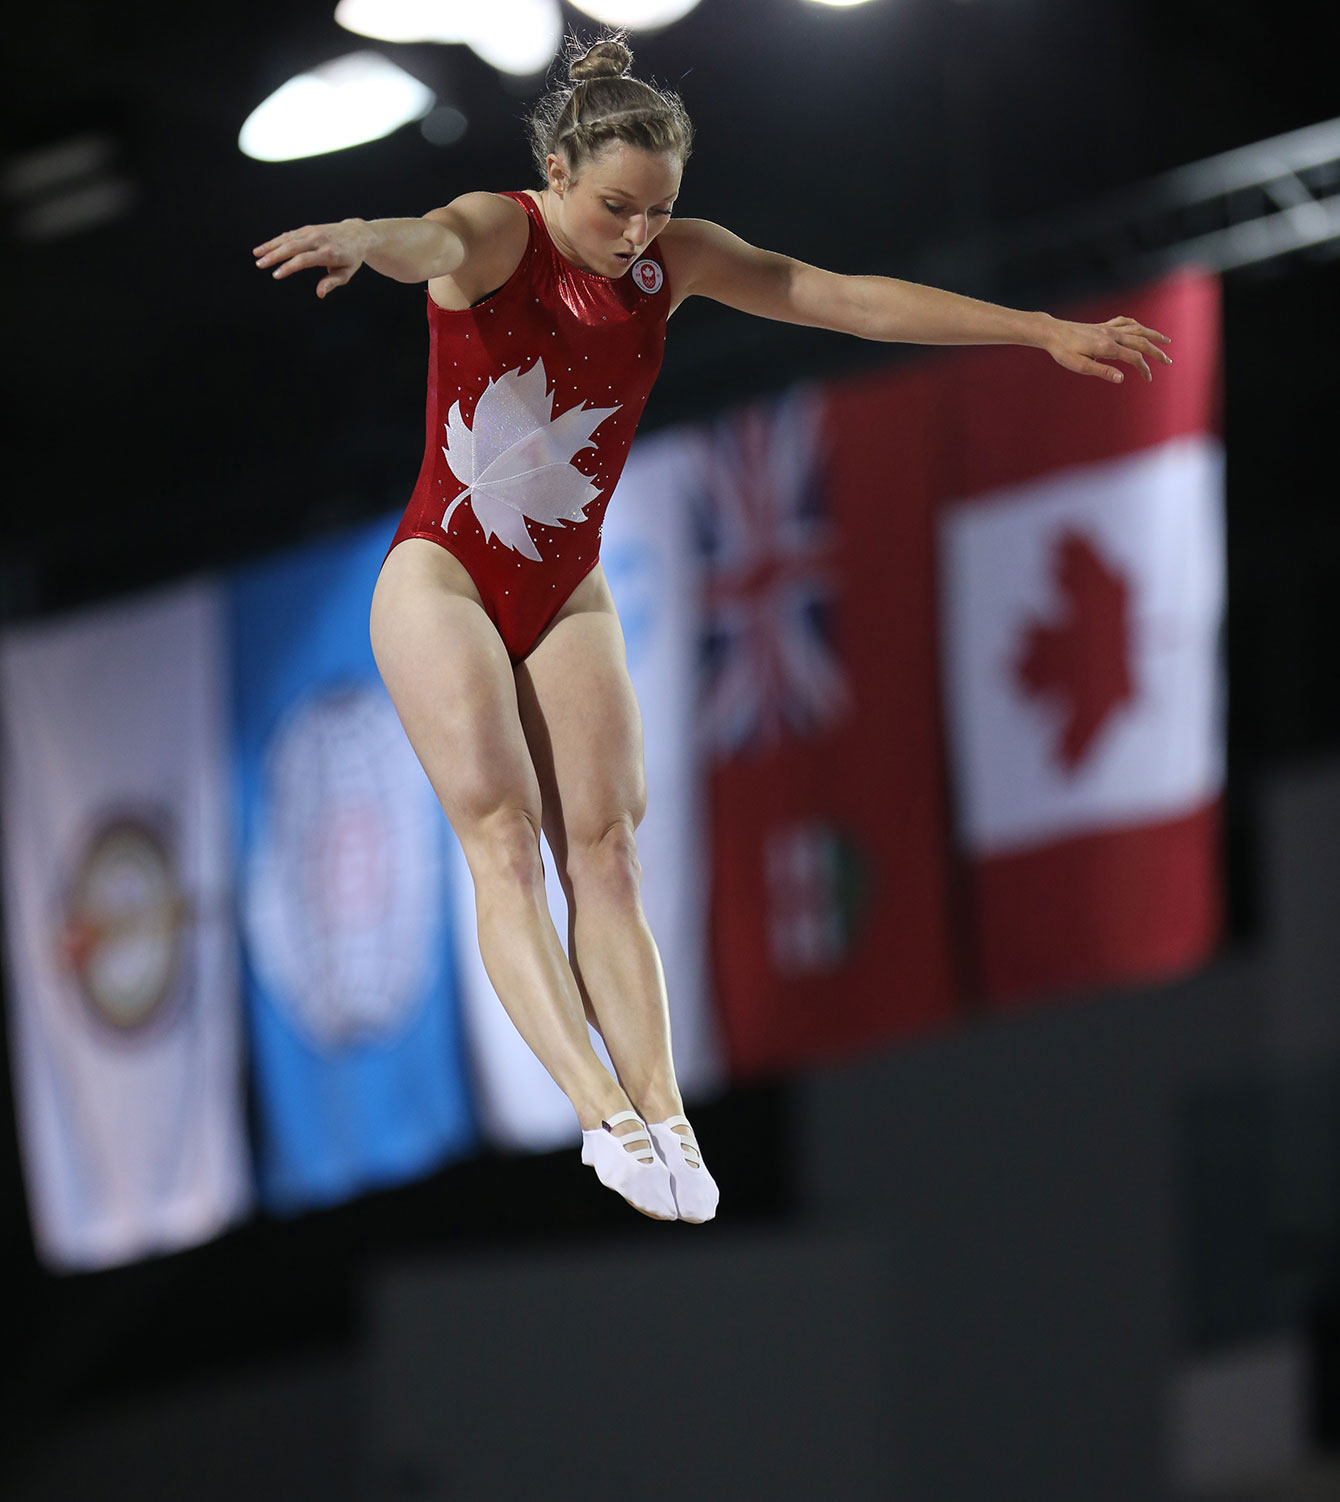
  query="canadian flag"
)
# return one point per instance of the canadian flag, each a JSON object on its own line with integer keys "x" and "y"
{"x": 1081, "y": 577}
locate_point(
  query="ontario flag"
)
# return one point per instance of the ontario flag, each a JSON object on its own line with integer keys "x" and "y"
{"x": 1081, "y": 558}
{"x": 830, "y": 869}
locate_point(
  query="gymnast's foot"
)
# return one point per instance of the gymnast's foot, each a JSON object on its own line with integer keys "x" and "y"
{"x": 620, "y": 1150}
{"x": 695, "y": 1190}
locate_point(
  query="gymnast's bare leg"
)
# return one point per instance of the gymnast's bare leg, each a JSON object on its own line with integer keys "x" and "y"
{"x": 585, "y": 734}
{"x": 452, "y": 684}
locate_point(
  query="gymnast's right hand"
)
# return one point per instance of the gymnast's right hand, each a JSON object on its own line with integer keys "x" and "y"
{"x": 340, "y": 248}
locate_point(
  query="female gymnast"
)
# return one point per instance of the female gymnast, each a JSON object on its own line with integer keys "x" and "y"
{"x": 492, "y": 624}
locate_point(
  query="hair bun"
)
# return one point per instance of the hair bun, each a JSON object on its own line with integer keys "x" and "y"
{"x": 604, "y": 60}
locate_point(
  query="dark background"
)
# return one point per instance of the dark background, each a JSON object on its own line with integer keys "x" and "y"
{"x": 170, "y": 408}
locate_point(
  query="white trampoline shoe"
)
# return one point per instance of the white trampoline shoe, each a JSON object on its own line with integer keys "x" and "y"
{"x": 646, "y": 1186}
{"x": 695, "y": 1190}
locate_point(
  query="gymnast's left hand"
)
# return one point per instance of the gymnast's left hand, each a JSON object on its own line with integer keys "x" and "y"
{"x": 1085, "y": 347}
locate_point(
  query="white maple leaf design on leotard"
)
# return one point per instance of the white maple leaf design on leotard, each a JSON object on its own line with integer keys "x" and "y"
{"x": 515, "y": 461}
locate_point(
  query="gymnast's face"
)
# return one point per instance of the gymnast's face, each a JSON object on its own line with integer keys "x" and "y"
{"x": 617, "y": 205}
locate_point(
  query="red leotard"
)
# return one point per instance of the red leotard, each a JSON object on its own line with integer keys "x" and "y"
{"x": 533, "y": 397}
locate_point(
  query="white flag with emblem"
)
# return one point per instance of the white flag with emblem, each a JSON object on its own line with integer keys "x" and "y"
{"x": 124, "y": 1028}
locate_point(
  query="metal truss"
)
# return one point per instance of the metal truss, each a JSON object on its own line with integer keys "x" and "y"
{"x": 1239, "y": 209}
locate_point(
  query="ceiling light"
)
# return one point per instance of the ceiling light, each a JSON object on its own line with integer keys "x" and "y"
{"x": 353, "y": 99}
{"x": 405, "y": 20}
{"x": 56, "y": 163}
{"x": 637, "y": 15}
{"x": 67, "y": 185}
{"x": 514, "y": 36}
{"x": 75, "y": 209}
{"x": 518, "y": 36}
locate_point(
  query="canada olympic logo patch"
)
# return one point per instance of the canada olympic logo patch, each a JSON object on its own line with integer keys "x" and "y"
{"x": 648, "y": 275}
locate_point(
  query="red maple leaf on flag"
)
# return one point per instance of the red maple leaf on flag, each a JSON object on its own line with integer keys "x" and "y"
{"x": 1082, "y": 662}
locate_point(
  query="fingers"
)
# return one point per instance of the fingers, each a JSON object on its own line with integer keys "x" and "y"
{"x": 299, "y": 250}
{"x": 301, "y": 261}
{"x": 281, "y": 247}
{"x": 291, "y": 247}
{"x": 1152, "y": 350}
{"x": 1097, "y": 368}
{"x": 1138, "y": 340}
{"x": 1132, "y": 356}
{"x": 1130, "y": 326}
{"x": 1135, "y": 348}
{"x": 1083, "y": 364}
{"x": 1140, "y": 337}
{"x": 279, "y": 252}
{"x": 1091, "y": 345}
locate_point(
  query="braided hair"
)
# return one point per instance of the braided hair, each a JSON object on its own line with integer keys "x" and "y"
{"x": 600, "y": 105}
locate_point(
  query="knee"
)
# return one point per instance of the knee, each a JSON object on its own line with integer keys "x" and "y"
{"x": 504, "y": 846}
{"x": 605, "y": 863}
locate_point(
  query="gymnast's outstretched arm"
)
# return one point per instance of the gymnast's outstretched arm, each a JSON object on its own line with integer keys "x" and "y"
{"x": 709, "y": 261}
{"x": 407, "y": 250}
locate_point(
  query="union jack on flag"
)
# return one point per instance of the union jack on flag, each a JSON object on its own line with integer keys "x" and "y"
{"x": 770, "y": 669}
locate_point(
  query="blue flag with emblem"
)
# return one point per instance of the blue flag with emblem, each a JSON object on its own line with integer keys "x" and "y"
{"x": 359, "y": 1066}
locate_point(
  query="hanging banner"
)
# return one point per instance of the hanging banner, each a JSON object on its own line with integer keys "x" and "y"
{"x": 962, "y": 692}
{"x": 123, "y": 980}
{"x": 1082, "y": 575}
{"x": 830, "y": 871}
{"x": 359, "y": 1066}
